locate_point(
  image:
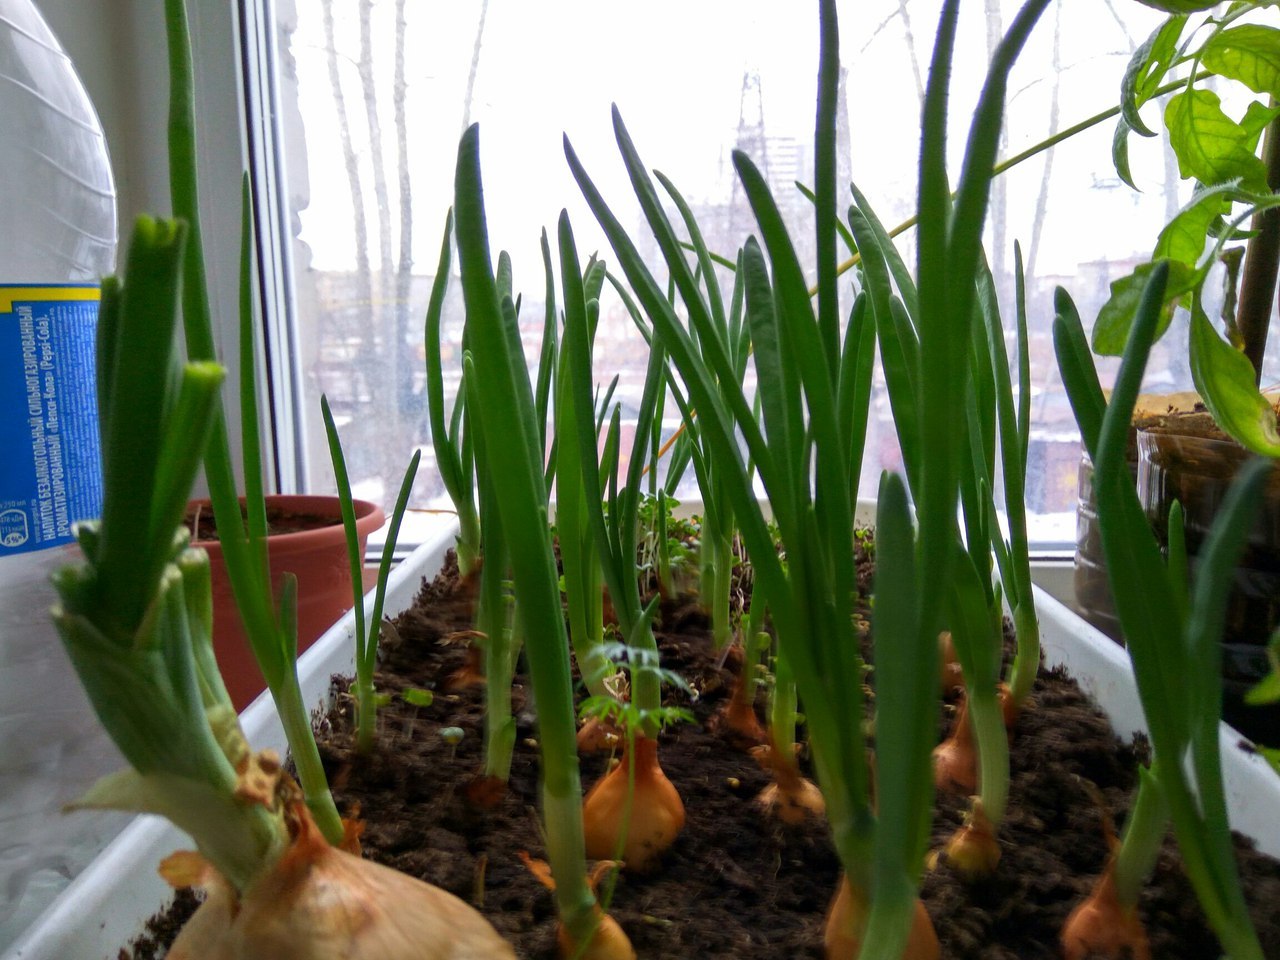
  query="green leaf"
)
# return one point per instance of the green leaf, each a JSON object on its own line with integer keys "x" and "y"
{"x": 1111, "y": 330}
{"x": 1268, "y": 689}
{"x": 1181, "y": 6}
{"x": 1147, "y": 67}
{"x": 1120, "y": 152}
{"x": 905, "y": 707}
{"x": 417, "y": 697}
{"x": 1183, "y": 239}
{"x": 1209, "y": 145}
{"x": 1255, "y": 120}
{"x": 1249, "y": 53}
{"x": 1225, "y": 379}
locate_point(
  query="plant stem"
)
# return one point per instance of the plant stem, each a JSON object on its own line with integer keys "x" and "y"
{"x": 1143, "y": 833}
{"x": 306, "y": 757}
{"x": 1261, "y": 263}
{"x": 505, "y": 401}
{"x": 721, "y": 551}
{"x": 993, "y": 753}
{"x": 1026, "y": 662}
{"x": 782, "y": 706}
{"x": 492, "y": 621}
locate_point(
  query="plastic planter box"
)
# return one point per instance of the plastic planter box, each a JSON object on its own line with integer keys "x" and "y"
{"x": 110, "y": 901}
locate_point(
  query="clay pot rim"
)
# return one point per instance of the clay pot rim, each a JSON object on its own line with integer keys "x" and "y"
{"x": 369, "y": 517}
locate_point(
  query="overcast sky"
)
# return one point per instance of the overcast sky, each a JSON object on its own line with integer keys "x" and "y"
{"x": 675, "y": 68}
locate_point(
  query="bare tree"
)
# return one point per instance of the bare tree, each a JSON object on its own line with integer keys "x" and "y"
{"x": 381, "y": 314}
{"x": 999, "y": 210}
{"x": 1042, "y": 198}
{"x": 905, "y": 17}
{"x": 359, "y": 223}
{"x": 404, "y": 269}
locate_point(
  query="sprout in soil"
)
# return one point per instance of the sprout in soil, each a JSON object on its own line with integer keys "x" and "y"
{"x": 633, "y": 813}
{"x": 270, "y": 623}
{"x": 367, "y": 634}
{"x": 813, "y": 410}
{"x": 504, "y": 411}
{"x": 452, "y": 736}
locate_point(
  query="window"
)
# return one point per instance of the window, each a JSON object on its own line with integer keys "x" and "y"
{"x": 372, "y": 96}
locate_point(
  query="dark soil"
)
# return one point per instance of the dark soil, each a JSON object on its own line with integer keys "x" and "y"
{"x": 201, "y": 524}
{"x": 735, "y": 884}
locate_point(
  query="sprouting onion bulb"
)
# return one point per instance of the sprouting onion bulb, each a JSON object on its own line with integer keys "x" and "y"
{"x": 847, "y": 923}
{"x": 955, "y": 763}
{"x": 608, "y": 941}
{"x": 792, "y": 797}
{"x": 974, "y": 850}
{"x": 656, "y": 811}
{"x": 1102, "y": 926}
{"x": 319, "y": 903}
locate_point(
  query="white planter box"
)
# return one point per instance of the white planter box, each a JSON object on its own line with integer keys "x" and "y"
{"x": 108, "y": 904}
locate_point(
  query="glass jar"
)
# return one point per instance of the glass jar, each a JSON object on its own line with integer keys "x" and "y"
{"x": 1092, "y": 588}
{"x": 1197, "y": 472}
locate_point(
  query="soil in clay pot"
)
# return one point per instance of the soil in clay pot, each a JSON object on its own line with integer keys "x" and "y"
{"x": 200, "y": 522}
{"x": 737, "y": 885}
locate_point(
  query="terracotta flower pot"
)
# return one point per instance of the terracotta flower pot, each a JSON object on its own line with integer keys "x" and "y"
{"x": 314, "y": 549}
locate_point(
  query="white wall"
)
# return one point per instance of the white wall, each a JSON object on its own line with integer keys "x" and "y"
{"x": 119, "y": 49}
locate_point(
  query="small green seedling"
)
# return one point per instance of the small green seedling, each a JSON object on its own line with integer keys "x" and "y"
{"x": 452, "y": 736}
{"x": 416, "y": 697}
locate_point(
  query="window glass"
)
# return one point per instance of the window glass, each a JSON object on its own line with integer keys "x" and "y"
{"x": 375, "y": 94}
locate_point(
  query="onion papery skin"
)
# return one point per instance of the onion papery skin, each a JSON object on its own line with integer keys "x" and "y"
{"x": 657, "y": 812}
{"x": 955, "y": 760}
{"x": 607, "y": 943}
{"x": 974, "y": 850}
{"x": 1102, "y": 927}
{"x": 847, "y": 923}
{"x": 319, "y": 903}
{"x": 737, "y": 718}
{"x": 792, "y": 798}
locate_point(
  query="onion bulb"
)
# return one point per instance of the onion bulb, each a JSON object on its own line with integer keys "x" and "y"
{"x": 847, "y": 924}
{"x": 955, "y": 760}
{"x": 1101, "y": 926}
{"x": 738, "y": 716}
{"x": 791, "y": 797}
{"x": 608, "y": 942}
{"x": 974, "y": 851}
{"x": 318, "y": 903}
{"x": 656, "y": 811}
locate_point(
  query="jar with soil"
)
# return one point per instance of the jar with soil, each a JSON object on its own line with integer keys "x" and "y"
{"x": 1092, "y": 589}
{"x": 1193, "y": 462}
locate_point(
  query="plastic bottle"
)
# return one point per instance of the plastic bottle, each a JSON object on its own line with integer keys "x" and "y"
{"x": 58, "y": 236}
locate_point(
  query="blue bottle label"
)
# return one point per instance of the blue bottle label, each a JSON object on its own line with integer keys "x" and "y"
{"x": 50, "y": 453}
